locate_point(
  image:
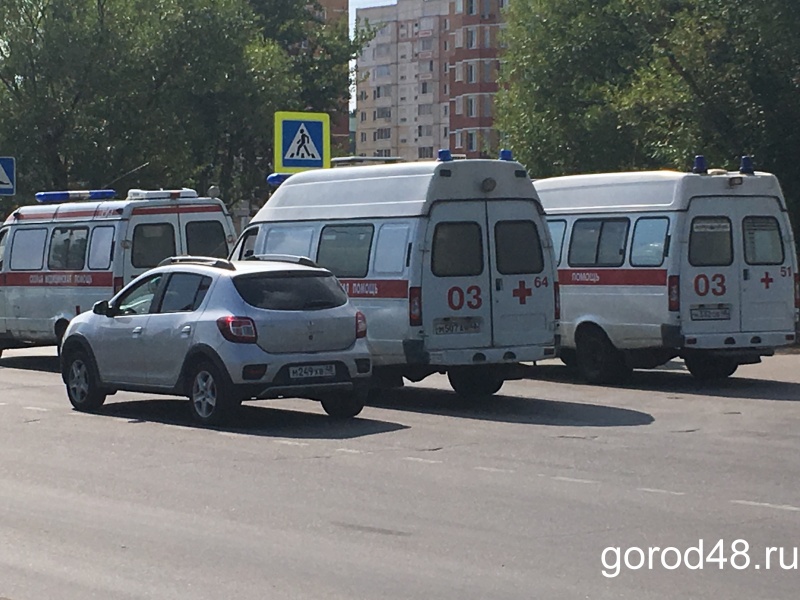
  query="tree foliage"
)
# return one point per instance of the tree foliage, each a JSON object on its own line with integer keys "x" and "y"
{"x": 600, "y": 85}
{"x": 172, "y": 93}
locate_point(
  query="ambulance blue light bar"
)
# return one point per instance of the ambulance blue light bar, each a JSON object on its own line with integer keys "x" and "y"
{"x": 746, "y": 166}
{"x": 700, "y": 165}
{"x": 444, "y": 155}
{"x": 506, "y": 154}
{"x": 67, "y": 196}
{"x": 276, "y": 179}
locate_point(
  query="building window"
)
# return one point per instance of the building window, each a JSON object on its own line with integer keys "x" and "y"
{"x": 363, "y": 136}
{"x": 487, "y": 106}
{"x": 383, "y": 133}
{"x": 382, "y": 71}
{"x": 471, "y": 8}
{"x": 470, "y": 73}
{"x": 425, "y": 109}
{"x": 459, "y": 6}
{"x": 424, "y": 88}
{"x": 471, "y": 38}
{"x": 472, "y": 141}
{"x": 460, "y": 105}
{"x": 426, "y": 152}
{"x": 471, "y": 112}
{"x": 424, "y": 130}
{"x": 459, "y": 140}
{"x": 487, "y": 37}
{"x": 383, "y": 113}
{"x": 487, "y": 71}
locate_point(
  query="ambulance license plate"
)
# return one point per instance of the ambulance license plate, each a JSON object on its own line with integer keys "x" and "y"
{"x": 711, "y": 314}
{"x": 311, "y": 371}
{"x": 456, "y": 325}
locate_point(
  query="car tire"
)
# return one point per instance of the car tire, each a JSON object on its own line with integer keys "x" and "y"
{"x": 597, "y": 359}
{"x": 82, "y": 381}
{"x": 474, "y": 382}
{"x": 211, "y": 397}
{"x": 705, "y": 368}
{"x": 568, "y": 357}
{"x": 344, "y": 406}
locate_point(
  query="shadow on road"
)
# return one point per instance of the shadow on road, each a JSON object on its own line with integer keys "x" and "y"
{"x": 673, "y": 378}
{"x": 509, "y": 409}
{"x": 46, "y": 364}
{"x": 251, "y": 419}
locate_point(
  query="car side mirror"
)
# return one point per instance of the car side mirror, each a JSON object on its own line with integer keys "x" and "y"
{"x": 102, "y": 308}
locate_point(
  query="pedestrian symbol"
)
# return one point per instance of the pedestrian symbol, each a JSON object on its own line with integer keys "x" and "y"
{"x": 302, "y": 147}
{"x": 8, "y": 176}
{"x": 302, "y": 142}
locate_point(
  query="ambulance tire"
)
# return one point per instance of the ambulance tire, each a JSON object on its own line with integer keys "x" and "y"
{"x": 705, "y": 368}
{"x": 474, "y": 382}
{"x": 568, "y": 357}
{"x": 211, "y": 396}
{"x": 83, "y": 384}
{"x": 344, "y": 406}
{"x": 598, "y": 360}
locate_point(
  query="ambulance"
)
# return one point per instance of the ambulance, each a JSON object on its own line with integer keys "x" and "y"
{"x": 74, "y": 248}
{"x": 450, "y": 261}
{"x": 658, "y": 265}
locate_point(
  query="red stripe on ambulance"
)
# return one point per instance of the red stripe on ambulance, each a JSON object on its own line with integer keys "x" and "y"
{"x": 612, "y": 277}
{"x": 64, "y": 278}
{"x": 375, "y": 288}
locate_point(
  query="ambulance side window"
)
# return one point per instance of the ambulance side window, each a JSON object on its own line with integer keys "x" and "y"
{"x": 557, "y": 230}
{"x": 152, "y": 243}
{"x": 710, "y": 242}
{"x": 391, "y": 248}
{"x": 647, "y": 246}
{"x": 598, "y": 243}
{"x": 344, "y": 249}
{"x": 3, "y": 236}
{"x": 518, "y": 248}
{"x": 206, "y": 238}
{"x": 763, "y": 244}
{"x": 295, "y": 241}
{"x": 27, "y": 249}
{"x": 457, "y": 249}
{"x": 68, "y": 248}
{"x": 101, "y": 246}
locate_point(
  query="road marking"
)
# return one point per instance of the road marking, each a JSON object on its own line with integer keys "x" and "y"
{"x": 422, "y": 460}
{"x": 573, "y": 479}
{"x": 3, "y": 404}
{"x": 659, "y": 491}
{"x": 766, "y": 505}
{"x": 36, "y": 408}
{"x": 348, "y": 451}
{"x": 290, "y": 443}
{"x": 493, "y": 470}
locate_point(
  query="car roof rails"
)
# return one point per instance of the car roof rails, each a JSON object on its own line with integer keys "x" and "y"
{"x": 290, "y": 258}
{"x": 210, "y": 261}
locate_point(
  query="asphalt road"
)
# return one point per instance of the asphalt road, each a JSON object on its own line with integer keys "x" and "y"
{"x": 422, "y": 497}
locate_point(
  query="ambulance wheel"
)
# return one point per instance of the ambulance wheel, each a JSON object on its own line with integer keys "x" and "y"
{"x": 474, "y": 382}
{"x": 705, "y": 368}
{"x": 568, "y": 357}
{"x": 211, "y": 396}
{"x": 597, "y": 359}
{"x": 344, "y": 406}
{"x": 82, "y": 382}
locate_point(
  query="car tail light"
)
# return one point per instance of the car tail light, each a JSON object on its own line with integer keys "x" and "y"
{"x": 557, "y": 294}
{"x": 119, "y": 282}
{"x": 240, "y": 330}
{"x": 797, "y": 290}
{"x": 674, "y": 293}
{"x": 415, "y": 306}
{"x": 361, "y": 325}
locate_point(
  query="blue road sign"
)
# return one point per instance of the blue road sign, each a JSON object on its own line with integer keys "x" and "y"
{"x": 8, "y": 176}
{"x": 302, "y": 141}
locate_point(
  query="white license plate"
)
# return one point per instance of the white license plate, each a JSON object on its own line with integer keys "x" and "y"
{"x": 456, "y": 325}
{"x": 711, "y": 314}
{"x": 309, "y": 371}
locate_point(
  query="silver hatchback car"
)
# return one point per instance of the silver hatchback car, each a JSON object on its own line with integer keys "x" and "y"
{"x": 221, "y": 333}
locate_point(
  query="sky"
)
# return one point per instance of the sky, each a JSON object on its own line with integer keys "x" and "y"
{"x": 356, "y": 4}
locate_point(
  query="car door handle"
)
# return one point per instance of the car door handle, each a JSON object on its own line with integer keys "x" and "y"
{"x": 498, "y": 284}
{"x": 137, "y": 331}
{"x": 187, "y": 329}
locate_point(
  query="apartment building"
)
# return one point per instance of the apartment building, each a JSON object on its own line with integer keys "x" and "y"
{"x": 336, "y": 11}
{"x": 428, "y": 79}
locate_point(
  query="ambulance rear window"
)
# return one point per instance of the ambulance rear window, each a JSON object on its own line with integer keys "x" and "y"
{"x": 457, "y": 250}
{"x": 152, "y": 243}
{"x": 763, "y": 244}
{"x": 710, "y": 242}
{"x": 519, "y": 250}
{"x": 206, "y": 238}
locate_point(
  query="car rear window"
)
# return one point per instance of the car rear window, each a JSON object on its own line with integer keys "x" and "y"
{"x": 290, "y": 290}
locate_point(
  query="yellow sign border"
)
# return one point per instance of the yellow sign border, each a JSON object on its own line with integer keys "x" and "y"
{"x": 280, "y": 118}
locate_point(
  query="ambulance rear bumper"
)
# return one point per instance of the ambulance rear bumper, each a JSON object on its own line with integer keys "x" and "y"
{"x": 761, "y": 343}
{"x": 491, "y": 356}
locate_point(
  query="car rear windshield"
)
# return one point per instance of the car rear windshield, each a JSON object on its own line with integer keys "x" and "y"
{"x": 290, "y": 291}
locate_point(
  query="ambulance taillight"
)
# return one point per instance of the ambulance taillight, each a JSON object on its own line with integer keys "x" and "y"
{"x": 415, "y": 306}
{"x": 674, "y": 293}
{"x": 797, "y": 290}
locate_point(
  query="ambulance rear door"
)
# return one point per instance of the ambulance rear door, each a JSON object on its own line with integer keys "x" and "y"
{"x": 205, "y": 230}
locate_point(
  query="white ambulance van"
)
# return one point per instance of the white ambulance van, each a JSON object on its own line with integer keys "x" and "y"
{"x": 450, "y": 261}
{"x": 658, "y": 265}
{"x": 61, "y": 256}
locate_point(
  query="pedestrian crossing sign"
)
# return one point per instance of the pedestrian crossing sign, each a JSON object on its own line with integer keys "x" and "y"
{"x": 8, "y": 176}
{"x": 302, "y": 141}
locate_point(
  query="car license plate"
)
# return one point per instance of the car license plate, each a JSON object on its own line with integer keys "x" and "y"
{"x": 711, "y": 314}
{"x": 456, "y": 325}
{"x": 310, "y": 371}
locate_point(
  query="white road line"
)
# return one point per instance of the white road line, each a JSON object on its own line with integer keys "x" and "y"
{"x": 493, "y": 470}
{"x": 767, "y": 505}
{"x": 3, "y": 404}
{"x": 573, "y": 479}
{"x": 348, "y": 451}
{"x": 659, "y": 491}
{"x": 422, "y": 460}
{"x": 290, "y": 443}
{"x": 37, "y": 408}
